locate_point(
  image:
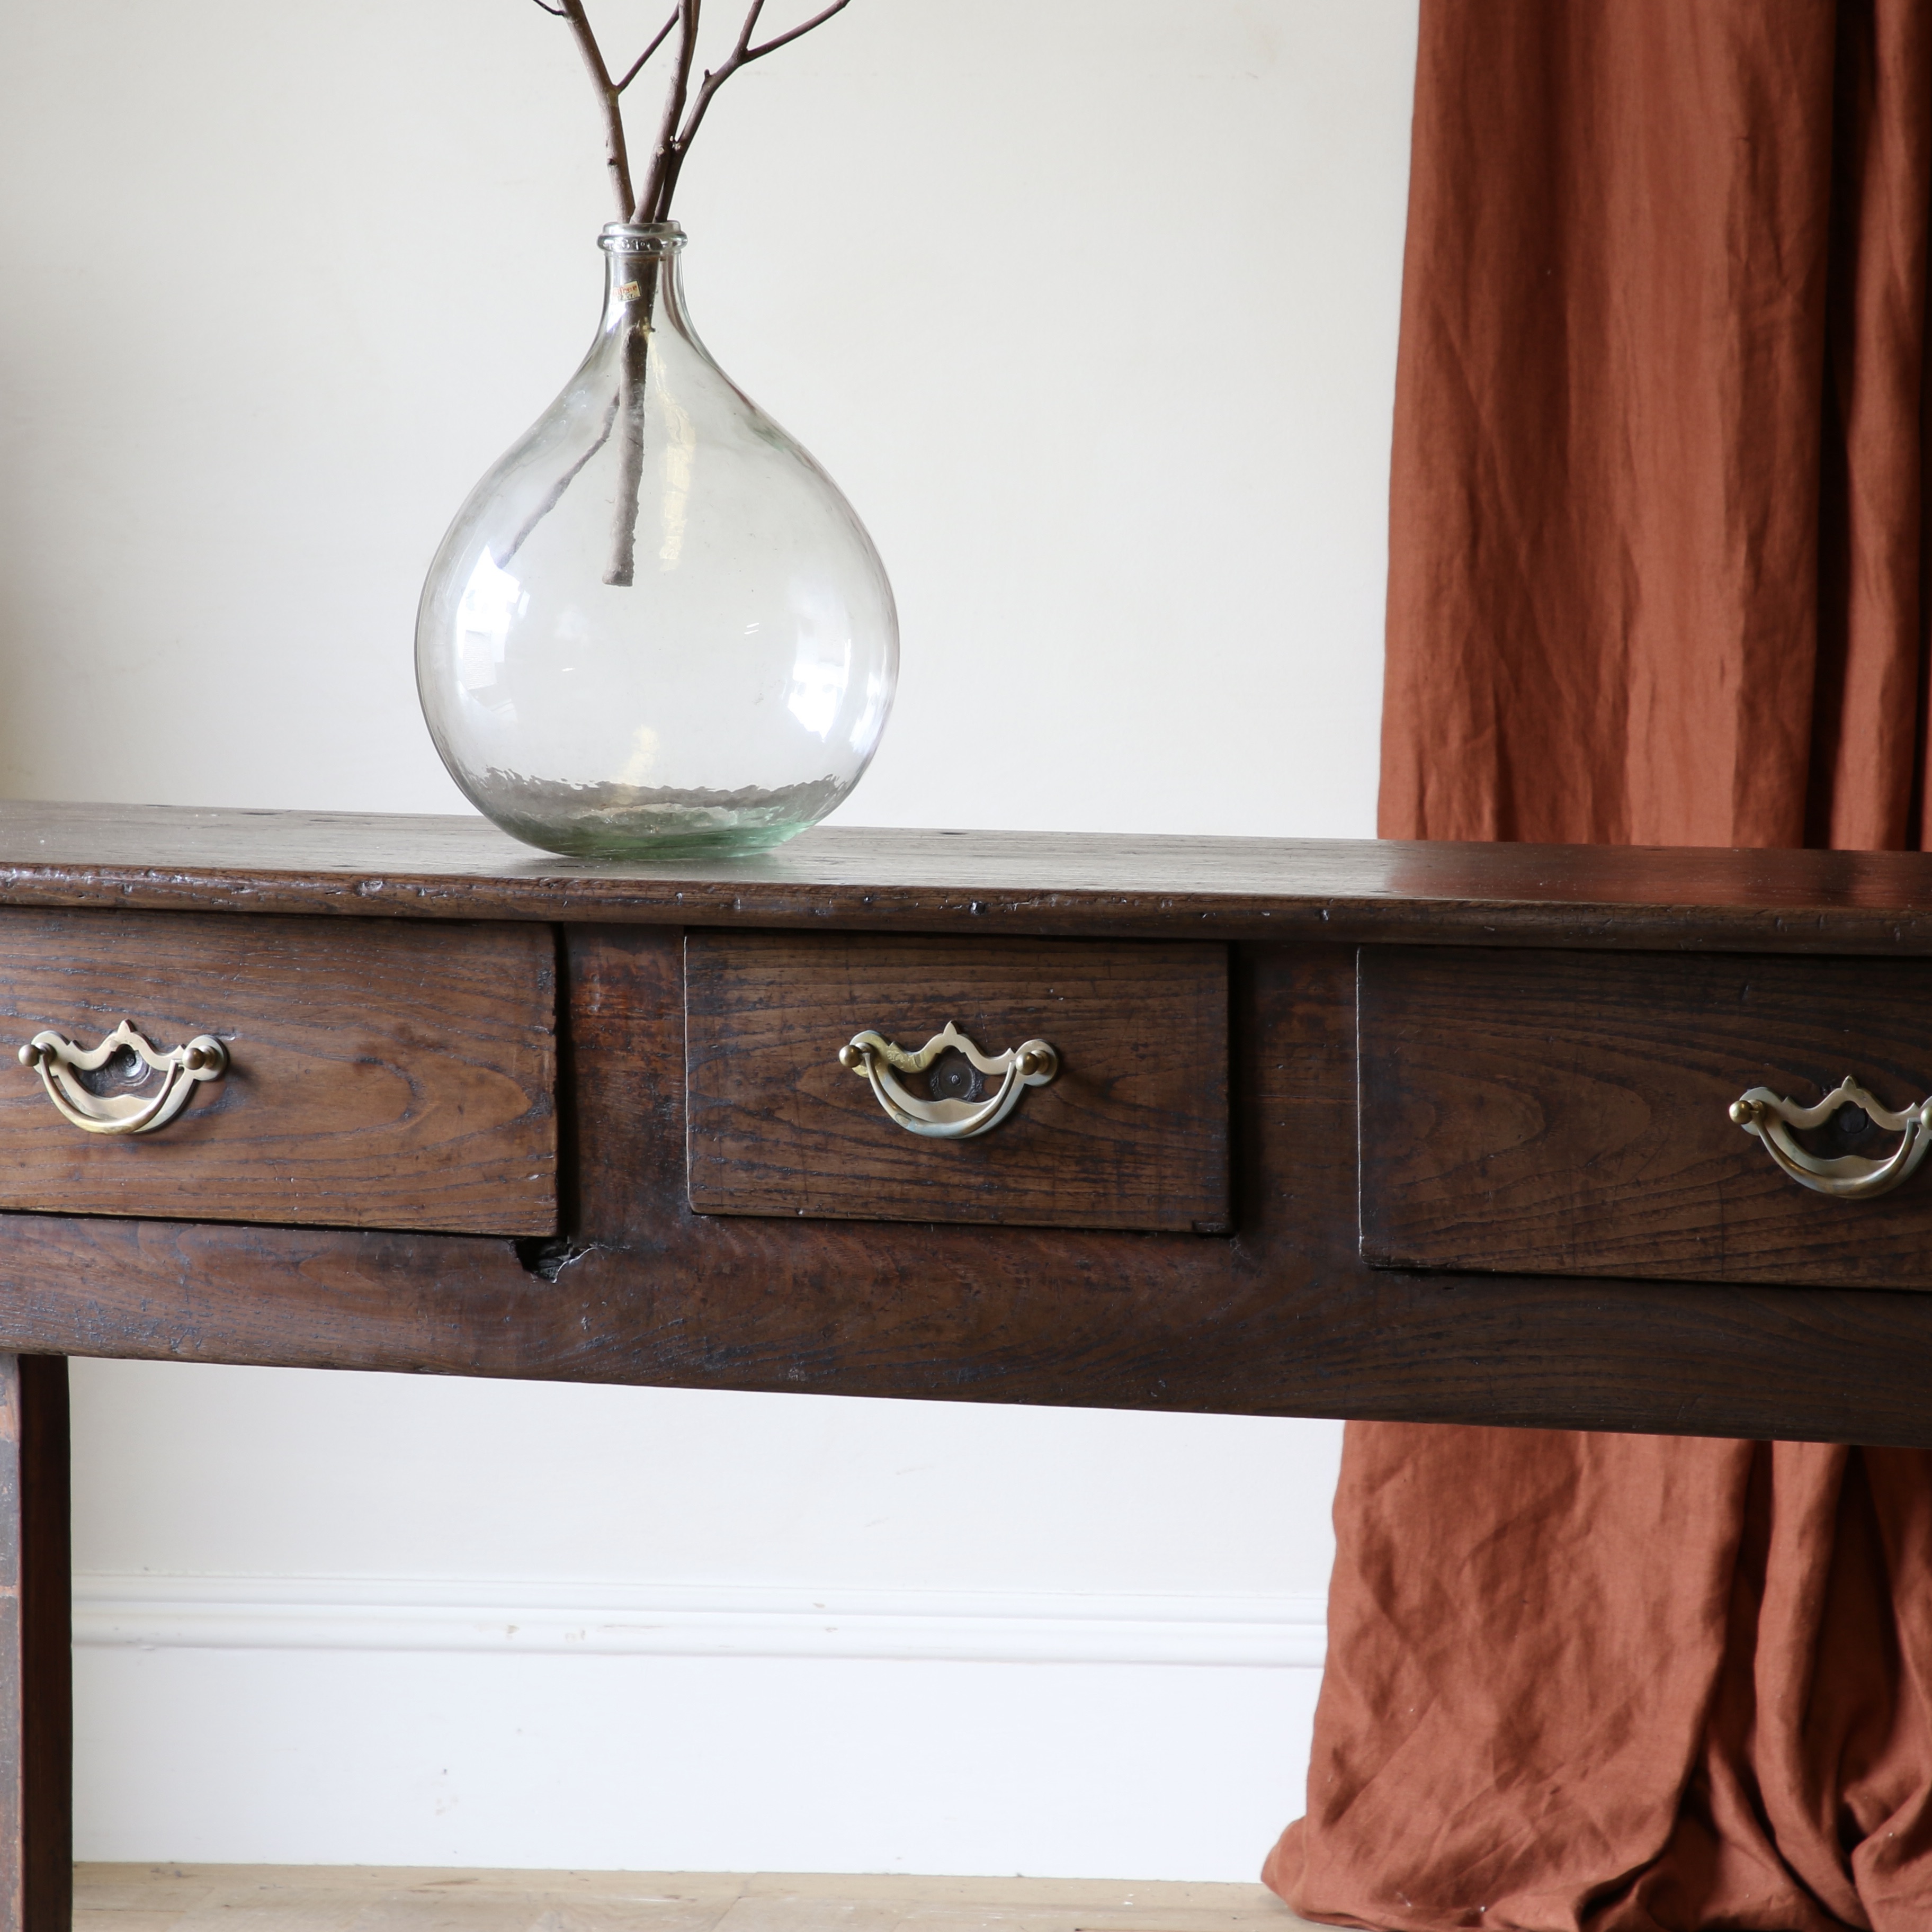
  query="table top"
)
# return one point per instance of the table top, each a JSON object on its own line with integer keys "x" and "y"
{"x": 854, "y": 877}
{"x": 1282, "y": 1317}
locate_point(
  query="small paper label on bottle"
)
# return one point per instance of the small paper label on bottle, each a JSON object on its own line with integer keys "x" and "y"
{"x": 630, "y": 291}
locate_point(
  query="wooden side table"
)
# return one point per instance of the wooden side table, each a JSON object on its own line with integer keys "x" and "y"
{"x": 1438, "y": 1132}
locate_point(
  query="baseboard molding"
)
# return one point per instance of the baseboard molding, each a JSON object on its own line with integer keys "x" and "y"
{"x": 613, "y": 1620}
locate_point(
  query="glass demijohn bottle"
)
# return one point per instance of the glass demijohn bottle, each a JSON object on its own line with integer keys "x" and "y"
{"x": 656, "y": 628}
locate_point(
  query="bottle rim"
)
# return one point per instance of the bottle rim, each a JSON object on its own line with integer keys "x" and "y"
{"x": 640, "y": 238}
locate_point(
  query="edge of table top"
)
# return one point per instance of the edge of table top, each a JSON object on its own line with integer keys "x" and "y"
{"x": 851, "y": 877}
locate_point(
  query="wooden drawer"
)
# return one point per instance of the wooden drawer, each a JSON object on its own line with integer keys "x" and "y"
{"x": 1131, "y": 1132}
{"x": 381, "y": 1074}
{"x": 1567, "y": 1113}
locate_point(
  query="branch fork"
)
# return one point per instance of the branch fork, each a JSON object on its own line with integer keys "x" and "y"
{"x": 684, "y": 111}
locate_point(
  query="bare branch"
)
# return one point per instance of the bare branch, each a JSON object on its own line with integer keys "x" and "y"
{"x": 616, "y": 158}
{"x": 745, "y": 31}
{"x": 676, "y": 131}
{"x": 816, "y": 20}
{"x": 669, "y": 159}
{"x": 637, "y": 66}
{"x": 741, "y": 55}
{"x": 667, "y": 155}
{"x": 554, "y": 495}
{"x": 677, "y": 128}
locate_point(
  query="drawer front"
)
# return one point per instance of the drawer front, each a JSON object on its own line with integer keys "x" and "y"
{"x": 1130, "y": 1132}
{"x": 380, "y": 1074}
{"x": 1568, "y": 1113}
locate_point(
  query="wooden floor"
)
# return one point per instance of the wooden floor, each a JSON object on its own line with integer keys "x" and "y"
{"x": 352, "y": 1898}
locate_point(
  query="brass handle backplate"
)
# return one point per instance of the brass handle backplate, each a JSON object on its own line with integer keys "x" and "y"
{"x": 1032, "y": 1064}
{"x": 1850, "y": 1177}
{"x": 57, "y": 1061}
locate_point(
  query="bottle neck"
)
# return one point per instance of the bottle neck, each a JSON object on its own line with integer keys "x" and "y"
{"x": 641, "y": 273}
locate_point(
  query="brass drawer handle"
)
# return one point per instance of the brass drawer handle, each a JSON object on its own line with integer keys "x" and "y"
{"x": 58, "y": 1060}
{"x": 1850, "y": 1177}
{"x": 1032, "y": 1064}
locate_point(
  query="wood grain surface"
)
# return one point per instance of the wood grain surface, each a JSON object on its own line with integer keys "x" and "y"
{"x": 1283, "y": 1318}
{"x": 382, "y": 1074}
{"x": 1553, "y": 1112}
{"x": 1067, "y": 885}
{"x": 1131, "y": 1132}
{"x": 36, "y": 1648}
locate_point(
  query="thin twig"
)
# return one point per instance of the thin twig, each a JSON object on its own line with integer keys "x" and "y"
{"x": 616, "y": 159}
{"x": 733, "y": 61}
{"x": 664, "y": 157}
{"x": 636, "y": 66}
{"x": 554, "y": 495}
{"x": 668, "y": 162}
{"x": 804, "y": 27}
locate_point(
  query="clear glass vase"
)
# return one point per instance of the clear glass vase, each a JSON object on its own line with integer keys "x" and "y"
{"x": 656, "y": 628}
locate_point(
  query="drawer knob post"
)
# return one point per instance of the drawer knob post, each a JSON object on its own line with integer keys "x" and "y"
{"x": 874, "y": 1057}
{"x": 1849, "y": 1177}
{"x": 58, "y": 1059}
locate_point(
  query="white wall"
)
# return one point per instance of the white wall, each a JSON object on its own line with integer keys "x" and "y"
{"x": 1089, "y": 306}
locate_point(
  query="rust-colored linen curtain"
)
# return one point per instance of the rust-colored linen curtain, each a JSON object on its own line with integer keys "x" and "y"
{"x": 1657, "y": 576}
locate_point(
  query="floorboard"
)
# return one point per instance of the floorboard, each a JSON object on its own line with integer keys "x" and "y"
{"x": 349, "y": 1898}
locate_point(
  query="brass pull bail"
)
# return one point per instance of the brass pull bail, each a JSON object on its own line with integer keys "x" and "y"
{"x": 874, "y": 1057}
{"x": 1849, "y": 1177}
{"x": 57, "y": 1060}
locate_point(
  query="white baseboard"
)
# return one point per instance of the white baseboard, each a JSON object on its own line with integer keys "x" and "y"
{"x": 685, "y": 1620}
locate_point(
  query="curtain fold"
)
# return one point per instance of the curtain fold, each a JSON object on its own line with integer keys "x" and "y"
{"x": 1657, "y": 567}
{"x": 1655, "y": 531}
{"x": 1644, "y": 1683}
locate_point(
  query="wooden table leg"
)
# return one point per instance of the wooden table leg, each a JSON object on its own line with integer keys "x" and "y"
{"x": 36, "y": 1648}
